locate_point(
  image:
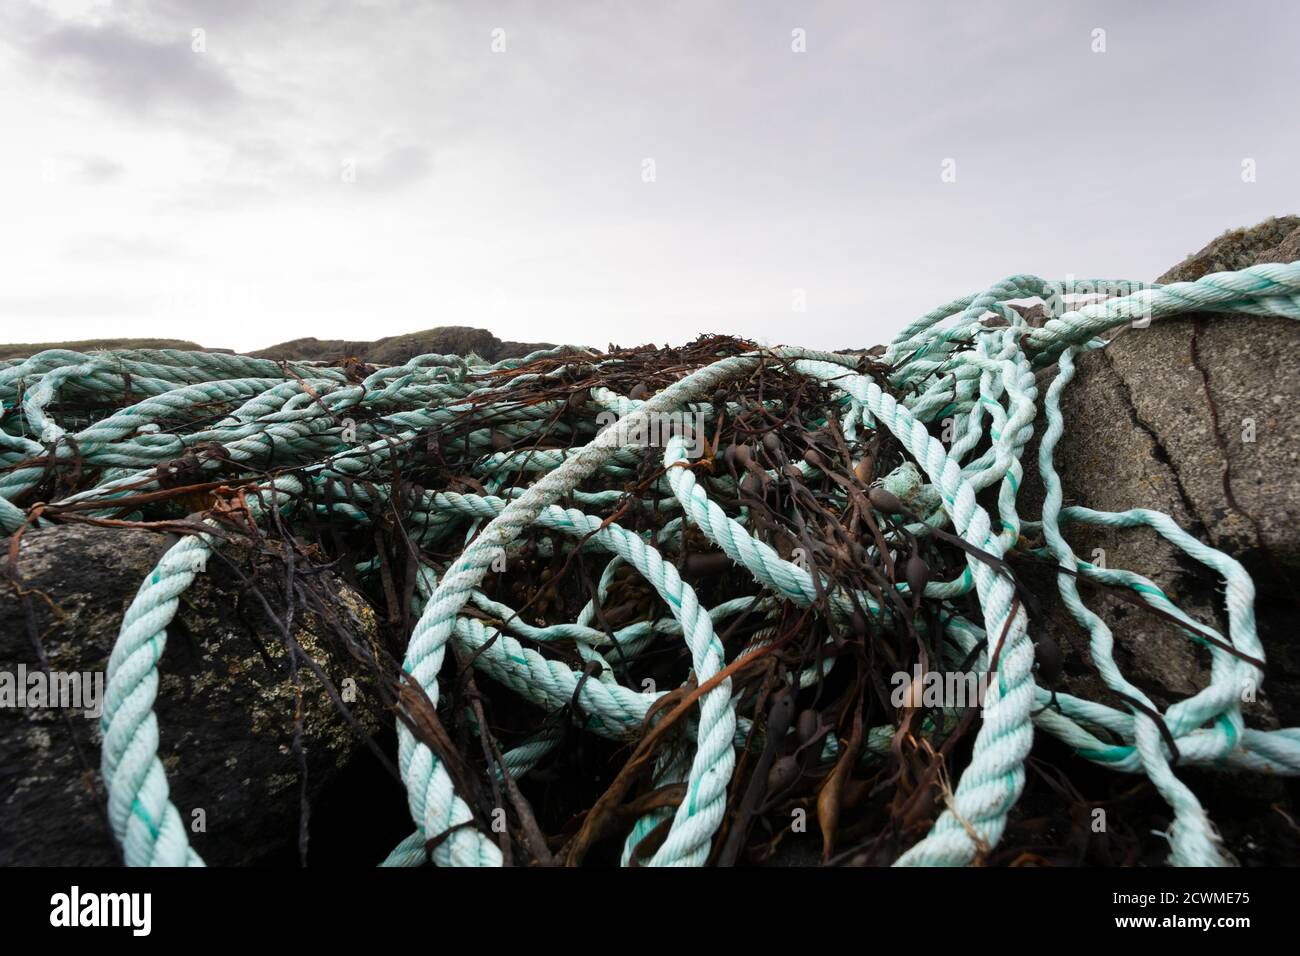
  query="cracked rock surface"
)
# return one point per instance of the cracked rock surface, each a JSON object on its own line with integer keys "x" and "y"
{"x": 1141, "y": 433}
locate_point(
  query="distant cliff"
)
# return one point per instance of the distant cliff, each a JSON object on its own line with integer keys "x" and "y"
{"x": 397, "y": 349}
{"x": 392, "y": 350}
{"x": 26, "y": 349}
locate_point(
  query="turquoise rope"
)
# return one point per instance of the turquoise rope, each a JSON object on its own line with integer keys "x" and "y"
{"x": 143, "y": 408}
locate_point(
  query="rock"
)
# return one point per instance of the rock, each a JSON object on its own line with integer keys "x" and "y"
{"x": 399, "y": 349}
{"x": 17, "y": 350}
{"x": 1238, "y": 248}
{"x": 391, "y": 350}
{"x": 1141, "y": 433}
{"x": 1288, "y": 250}
{"x": 225, "y": 704}
{"x": 1249, "y": 368}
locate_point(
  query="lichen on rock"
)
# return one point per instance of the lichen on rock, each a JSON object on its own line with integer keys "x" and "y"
{"x": 225, "y": 704}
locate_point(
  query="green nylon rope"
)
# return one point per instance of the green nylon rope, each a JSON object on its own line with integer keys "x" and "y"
{"x": 326, "y": 428}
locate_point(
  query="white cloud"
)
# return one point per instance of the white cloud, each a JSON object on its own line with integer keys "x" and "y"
{"x": 153, "y": 190}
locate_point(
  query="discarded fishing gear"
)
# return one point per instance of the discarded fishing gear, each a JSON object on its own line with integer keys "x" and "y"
{"x": 718, "y": 557}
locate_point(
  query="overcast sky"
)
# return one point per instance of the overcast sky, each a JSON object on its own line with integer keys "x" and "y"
{"x": 628, "y": 172}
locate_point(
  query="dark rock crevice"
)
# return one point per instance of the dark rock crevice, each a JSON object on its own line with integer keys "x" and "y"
{"x": 1158, "y": 449}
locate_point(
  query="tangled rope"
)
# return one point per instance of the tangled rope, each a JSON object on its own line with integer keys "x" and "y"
{"x": 844, "y": 491}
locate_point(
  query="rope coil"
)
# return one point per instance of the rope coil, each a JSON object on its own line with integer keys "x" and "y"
{"x": 310, "y": 437}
